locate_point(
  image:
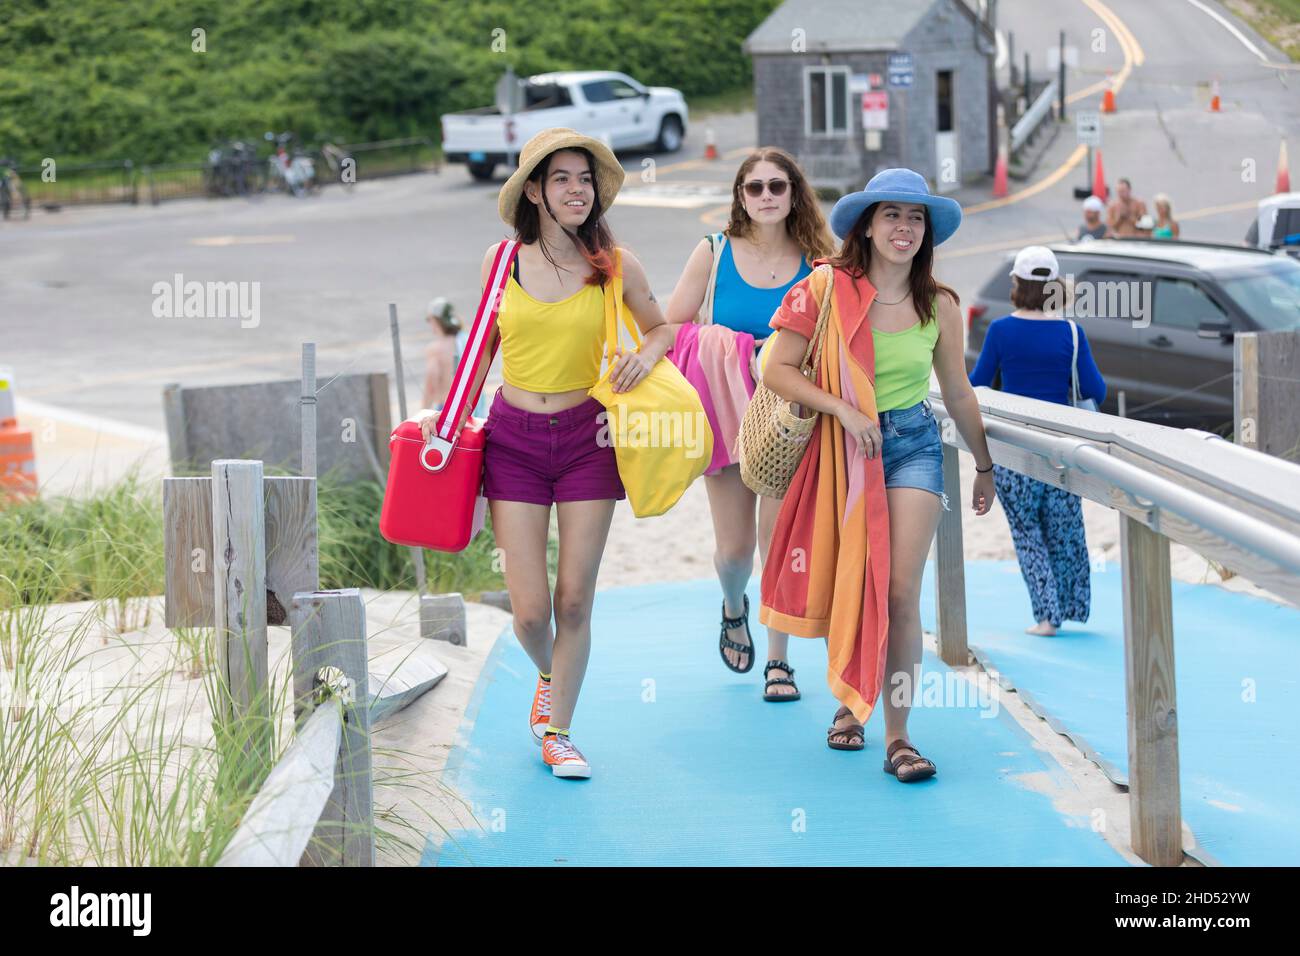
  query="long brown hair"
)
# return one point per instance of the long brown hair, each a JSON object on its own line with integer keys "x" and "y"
{"x": 855, "y": 259}
{"x": 593, "y": 239}
{"x": 805, "y": 223}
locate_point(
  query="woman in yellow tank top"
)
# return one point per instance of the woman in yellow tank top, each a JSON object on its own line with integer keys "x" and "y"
{"x": 545, "y": 437}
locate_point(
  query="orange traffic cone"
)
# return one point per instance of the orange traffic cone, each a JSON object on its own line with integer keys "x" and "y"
{"x": 1108, "y": 98}
{"x": 710, "y": 146}
{"x": 1214, "y": 97}
{"x": 1000, "y": 174}
{"x": 1283, "y": 173}
{"x": 17, "y": 457}
{"x": 1099, "y": 181}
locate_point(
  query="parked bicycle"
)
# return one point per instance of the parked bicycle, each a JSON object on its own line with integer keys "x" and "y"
{"x": 12, "y": 192}
{"x": 232, "y": 169}
{"x": 293, "y": 171}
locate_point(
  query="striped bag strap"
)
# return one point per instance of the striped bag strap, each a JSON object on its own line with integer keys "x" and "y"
{"x": 484, "y": 319}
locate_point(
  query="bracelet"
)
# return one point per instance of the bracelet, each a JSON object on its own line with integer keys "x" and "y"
{"x": 984, "y": 471}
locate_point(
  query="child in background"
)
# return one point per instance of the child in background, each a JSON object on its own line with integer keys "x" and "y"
{"x": 442, "y": 354}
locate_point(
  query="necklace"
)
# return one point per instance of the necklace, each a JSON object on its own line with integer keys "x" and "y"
{"x": 903, "y": 299}
{"x": 764, "y": 263}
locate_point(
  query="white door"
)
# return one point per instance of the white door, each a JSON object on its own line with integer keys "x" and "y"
{"x": 947, "y": 165}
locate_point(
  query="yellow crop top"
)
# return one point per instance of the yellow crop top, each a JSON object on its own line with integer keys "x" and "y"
{"x": 551, "y": 346}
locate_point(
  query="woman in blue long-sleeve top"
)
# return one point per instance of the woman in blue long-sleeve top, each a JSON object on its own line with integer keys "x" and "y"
{"x": 1033, "y": 353}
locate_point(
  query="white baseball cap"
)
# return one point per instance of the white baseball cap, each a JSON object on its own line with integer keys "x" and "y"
{"x": 1036, "y": 263}
{"x": 1093, "y": 204}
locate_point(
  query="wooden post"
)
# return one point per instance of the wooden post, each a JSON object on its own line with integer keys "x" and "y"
{"x": 442, "y": 618}
{"x": 417, "y": 555}
{"x": 950, "y": 569}
{"x": 239, "y": 571}
{"x": 329, "y": 631}
{"x": 307, "y": 403}
{"x": 292, "y": 563}
{"x": 1266, "y": 367}
{"x": 177, "y": 436}
{"x": 1155, "y": 810}
{"x": 1245, "y": 389}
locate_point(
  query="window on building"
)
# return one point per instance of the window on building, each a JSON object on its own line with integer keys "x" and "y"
{"x": 943, "y": 100}
{"x": 826, "y": 100}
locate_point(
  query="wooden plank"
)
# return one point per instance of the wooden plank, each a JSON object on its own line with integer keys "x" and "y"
{"x": 329, "y": 630}
{"x": 1279, "y": 384}
{"x": 1154, "y": 799}
{"x": 381, "y": 417}
{"x": 399, "y": 676}
{"x": 292, "y": 561}
{"x": 178, "y": 445}
{"x": 187, "y": 551}
{"x": 279, "y": 822}
{"x": 950, "y": 569}
{"x": 1245, "y": 389}
{"x": 292, "y": 552}
{"x": 239, "y": 572}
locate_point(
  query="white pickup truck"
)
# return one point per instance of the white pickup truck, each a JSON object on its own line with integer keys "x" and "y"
{"x": 609, "y": 106}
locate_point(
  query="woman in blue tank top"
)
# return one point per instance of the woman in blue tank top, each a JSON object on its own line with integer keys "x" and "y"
{"x": 732, "y": 284}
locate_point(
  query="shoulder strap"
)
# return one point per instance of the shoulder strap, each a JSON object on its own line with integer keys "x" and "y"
{"x": 484, "y": 319}
{"x": 717, "y": 241}
{"x": 615, "y": 313}
{"x": 1074, "y": 361}
{"x": 814, "y": 350}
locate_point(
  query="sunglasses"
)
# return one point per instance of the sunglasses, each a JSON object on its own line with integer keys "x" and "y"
{"x": 776, "y": 187}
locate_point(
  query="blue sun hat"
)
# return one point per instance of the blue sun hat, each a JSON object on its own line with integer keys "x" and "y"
{"x": 897, "y": 185}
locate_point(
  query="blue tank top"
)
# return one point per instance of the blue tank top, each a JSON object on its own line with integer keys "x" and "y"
{"x": 743, "y": 307}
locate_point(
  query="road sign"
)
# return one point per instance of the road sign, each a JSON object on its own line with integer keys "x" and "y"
{"x": 901, "y": 71}
{"x": 1087, "y": 127}
{"x": 875, "y": 110}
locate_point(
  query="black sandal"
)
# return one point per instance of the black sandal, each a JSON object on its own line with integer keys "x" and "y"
{"x": 725, "y": 642}
{"x": 907, "y": 767}
{"x": 851, "y": 729}
{"x": 767, "y": 690}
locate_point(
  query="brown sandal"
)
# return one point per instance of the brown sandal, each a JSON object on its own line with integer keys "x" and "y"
{"x": 907, "y": 767}
{"x": 850, "y": 730}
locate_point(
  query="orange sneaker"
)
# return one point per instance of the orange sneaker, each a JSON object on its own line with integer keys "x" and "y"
{"x": 541, "y": 714}
{"x": 564, "y": 759}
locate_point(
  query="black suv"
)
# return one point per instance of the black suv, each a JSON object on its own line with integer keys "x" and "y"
{"x": 1176, "y": 370}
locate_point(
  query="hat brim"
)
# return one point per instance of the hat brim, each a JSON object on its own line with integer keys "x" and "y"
{"x": 945, "y": 213}
{"x": 609, "y": 171}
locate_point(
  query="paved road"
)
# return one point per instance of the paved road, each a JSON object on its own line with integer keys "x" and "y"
{"x": 76, "y": 288}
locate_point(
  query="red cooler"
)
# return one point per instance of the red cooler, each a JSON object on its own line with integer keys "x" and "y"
{"x": 424, "y": 482}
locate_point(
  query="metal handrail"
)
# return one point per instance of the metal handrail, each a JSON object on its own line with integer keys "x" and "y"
{"x": 1027, "y": 124}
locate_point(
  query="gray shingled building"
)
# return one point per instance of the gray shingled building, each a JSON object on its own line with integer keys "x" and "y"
{"x": 828, "y": 74}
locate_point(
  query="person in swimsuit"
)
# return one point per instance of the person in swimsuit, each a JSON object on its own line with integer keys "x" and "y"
{"x": 734, "y": 280}
{"x": 543, "y": 434}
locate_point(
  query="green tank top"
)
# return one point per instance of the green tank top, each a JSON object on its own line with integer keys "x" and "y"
{"x": 903, "y": 363}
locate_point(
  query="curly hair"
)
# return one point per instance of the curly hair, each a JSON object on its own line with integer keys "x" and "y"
{"x": 805, "y": 224}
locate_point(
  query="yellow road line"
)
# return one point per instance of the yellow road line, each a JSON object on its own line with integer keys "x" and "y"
{"x": 1047, "y": 182}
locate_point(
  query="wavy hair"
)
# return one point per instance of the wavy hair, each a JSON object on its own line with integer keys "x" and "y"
{"x": 805, "y": 223}
{"x": 855, "y": 258}
{"x": 592, "y": 239}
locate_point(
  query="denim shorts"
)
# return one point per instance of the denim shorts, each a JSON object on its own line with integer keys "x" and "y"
{"x": 913, "y": 453}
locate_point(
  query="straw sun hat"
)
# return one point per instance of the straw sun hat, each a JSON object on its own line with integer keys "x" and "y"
{"x": 609, "y": 171}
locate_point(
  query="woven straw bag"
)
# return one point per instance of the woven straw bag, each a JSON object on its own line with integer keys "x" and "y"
{"x": 773, "y": 436}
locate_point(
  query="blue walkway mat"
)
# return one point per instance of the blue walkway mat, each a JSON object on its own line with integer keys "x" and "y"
{"x": 1237, "y": 664}
{"x": 691, "y": 767}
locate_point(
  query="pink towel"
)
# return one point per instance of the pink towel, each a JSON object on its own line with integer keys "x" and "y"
{"x": 716, "y": 360}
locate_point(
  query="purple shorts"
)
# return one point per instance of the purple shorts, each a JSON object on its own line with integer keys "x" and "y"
{"x": 543, "y": 458}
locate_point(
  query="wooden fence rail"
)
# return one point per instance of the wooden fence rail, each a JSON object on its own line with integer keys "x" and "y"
{"x": 1231, "y": 504}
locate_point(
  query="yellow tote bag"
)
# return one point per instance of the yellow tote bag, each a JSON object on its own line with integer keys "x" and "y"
{"x": 660, "y": 433}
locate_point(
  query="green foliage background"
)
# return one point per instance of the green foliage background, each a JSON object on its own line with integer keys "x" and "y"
{"x": 112, "y": 79}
